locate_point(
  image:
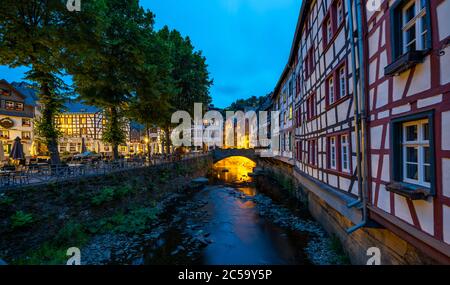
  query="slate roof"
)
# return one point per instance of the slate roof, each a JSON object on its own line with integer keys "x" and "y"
{"x": 76, "y": 106}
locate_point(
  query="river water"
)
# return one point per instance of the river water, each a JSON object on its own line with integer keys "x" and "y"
{"x": 223, "y": 225}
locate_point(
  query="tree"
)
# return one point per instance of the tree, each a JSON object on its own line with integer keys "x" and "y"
{"x": 105, "y": 73}
{"x": 31, "y": 34}
{"x": 189, "y": 74}
{"x": 150, "y": 105}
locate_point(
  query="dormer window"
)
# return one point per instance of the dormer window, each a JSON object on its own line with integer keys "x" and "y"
{"x": 9, "y": 105}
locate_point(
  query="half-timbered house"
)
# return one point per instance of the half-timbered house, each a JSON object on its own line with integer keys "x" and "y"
{"x": 408, "y": 77}
{"x": 371, "y": 107}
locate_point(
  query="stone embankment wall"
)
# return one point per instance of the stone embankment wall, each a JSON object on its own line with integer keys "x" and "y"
{"x": 330, "y": 209}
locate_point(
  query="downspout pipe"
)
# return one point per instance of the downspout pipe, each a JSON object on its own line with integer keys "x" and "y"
{"x": 362, "y": 118}
{"x": 356, "y": 120}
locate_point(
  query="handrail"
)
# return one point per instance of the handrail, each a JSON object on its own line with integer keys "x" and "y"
{"x": 38, "y": 174}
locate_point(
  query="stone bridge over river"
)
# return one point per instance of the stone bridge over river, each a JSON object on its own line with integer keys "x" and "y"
{"x": 220, "y": 154}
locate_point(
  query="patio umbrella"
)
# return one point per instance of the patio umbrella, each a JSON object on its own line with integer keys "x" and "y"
{"x": 83, "y": 146}
{"x": 17, "y": 150}
{"x": 2, "y": 152}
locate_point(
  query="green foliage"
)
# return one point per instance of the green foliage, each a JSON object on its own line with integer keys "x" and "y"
{"x": 46, "y": 254}
{"x": 5, "y": 200}
{"x": 72, "y": 234}
{"x": 21, "y": 219}
{"x": 108, "y": 194}
{"x": 164, "y": 176}
{"x": 241, "y": 104}
{"x": 134, "y": 222}
{"x": 105, "y": 195}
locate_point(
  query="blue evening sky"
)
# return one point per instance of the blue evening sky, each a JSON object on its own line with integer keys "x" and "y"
{"x": 246, "y": 42}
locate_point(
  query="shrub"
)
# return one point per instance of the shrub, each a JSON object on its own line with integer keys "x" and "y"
{"x": 134, "y": 222}
{"x": 105, "y": 195}
{"x": 72, "y": 234}
{"x": 46, "y": 254}
{"x": 5, "y": 200}
{"x": 21, "y": 219}
{"x": 122, "y": 191}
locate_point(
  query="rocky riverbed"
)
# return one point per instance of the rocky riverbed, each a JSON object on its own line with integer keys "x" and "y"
{"x": 219, "y": 225}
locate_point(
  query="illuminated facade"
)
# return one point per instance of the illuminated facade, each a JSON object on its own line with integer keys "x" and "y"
{"x": 17, "y": 111}
{"x": 82, "y": 128}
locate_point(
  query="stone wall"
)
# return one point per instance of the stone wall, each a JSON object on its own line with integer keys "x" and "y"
{"x": 330, "y": 209}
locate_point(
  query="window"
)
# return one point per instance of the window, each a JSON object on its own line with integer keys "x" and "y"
{"x": 340, "y": 13}
{"x": 291, "y": 88}
{"x": 4, "y": 134}
{"x": 416, "y": 153}
{"x": 83, "y": 120}
{"x": 345, "y": 163}
{"x": 26, "y": 123}
{"x": 331, "y": 95}
{"x": 73, "y": 147}
{"x": 311, "y": 106}
{"x": 413, "y": 160}
{"x": 83, "y": 131}
{"x": 298, "y": 84}
{"x": 333, "y": 164}
{"x": 9, "y": 105}
{"x": 312, "y": 152}
{"x": 329, "y": 30}
{"x": 410, "y": 35}
{"x": 342, "y": 83}
{"x": 414, "y": 27}
{"x": 26, "y": 135}
{"x": 290, "y": 112}
{"x": 311, "y": 61}
{"x": 19, "y": 106}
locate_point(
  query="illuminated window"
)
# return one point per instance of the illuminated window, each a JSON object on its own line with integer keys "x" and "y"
{"x": 83, "y": 120}
{"x": 19, "y": 106}
{"x": 9, "y": 105}
{"x": 26, "y": 135}
{"x": 26, "y": 122}
{"x": 4, "y": 134}
{"x": 290, "y": 112}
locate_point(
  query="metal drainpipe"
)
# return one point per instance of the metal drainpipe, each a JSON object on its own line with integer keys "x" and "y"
{"x": 355, "y": 104}
{"x": 362, "y": 120}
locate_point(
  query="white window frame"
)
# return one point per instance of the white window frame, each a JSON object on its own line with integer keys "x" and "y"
{"x": 345, "y": 153}
{"x": 419, "y": 12}
{"x": 333, "y": 155}
{"x": 342, "y": 83}
{"x": 420, "y": 144}
{"x": 331, "y": 91}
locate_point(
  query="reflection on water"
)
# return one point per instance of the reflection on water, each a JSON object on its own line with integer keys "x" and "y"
{"x": 240, "y": 235}
{"x": 234, "y": 169}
